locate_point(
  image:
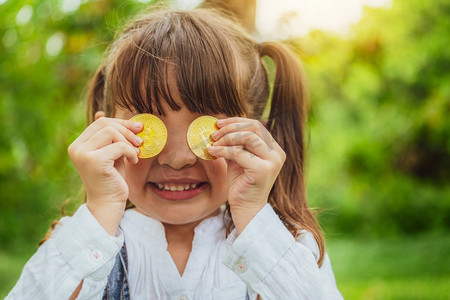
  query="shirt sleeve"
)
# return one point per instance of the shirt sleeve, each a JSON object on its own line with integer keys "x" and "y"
{"x": 276, "y": 266}
{"x": 79, "y": 249}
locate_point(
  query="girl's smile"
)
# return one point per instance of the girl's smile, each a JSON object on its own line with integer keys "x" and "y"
{"x": 181, "y": 189}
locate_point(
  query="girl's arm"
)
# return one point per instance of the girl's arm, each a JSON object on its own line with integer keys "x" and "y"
{"x": 263, "y": 252}
{"x": 276, "y": 266}
{"x": 83, "y": 247}
{"x": 79, "y": 250}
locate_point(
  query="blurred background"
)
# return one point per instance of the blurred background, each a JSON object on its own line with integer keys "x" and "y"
{"x": 379, "y": 146}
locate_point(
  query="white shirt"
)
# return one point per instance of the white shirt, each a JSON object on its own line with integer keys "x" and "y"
{"x": 264, "y": 260}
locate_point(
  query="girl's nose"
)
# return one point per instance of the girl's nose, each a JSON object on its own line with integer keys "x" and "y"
{"x": 176, "y": 154}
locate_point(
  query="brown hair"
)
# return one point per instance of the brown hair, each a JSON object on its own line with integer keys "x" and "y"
{"x": 218, "y": 69}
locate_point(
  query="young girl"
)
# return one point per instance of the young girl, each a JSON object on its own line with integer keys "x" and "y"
{"x": 175, "y": 226}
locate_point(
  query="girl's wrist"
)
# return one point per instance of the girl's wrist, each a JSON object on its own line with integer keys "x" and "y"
{"x": 108, "y": 216}
{"x": 242, "y": 216}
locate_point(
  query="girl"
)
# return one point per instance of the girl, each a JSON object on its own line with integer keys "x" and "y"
{"x": 175, "y": 226}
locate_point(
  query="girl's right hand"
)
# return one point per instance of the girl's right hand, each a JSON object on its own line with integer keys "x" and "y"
{"x": 98, "y": 155}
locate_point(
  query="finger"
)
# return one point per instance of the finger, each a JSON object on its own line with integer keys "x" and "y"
{"x": 110, "y": 134}
{"x": 244, "y": 158}
{"x": 251, "y": 141}
{"x": 122, "y": 126}
{"x": 115, "y": 132}
{"x": 239, "y": 124}
{"x": 226, "y": 121}
{"x": 115, "y": 151}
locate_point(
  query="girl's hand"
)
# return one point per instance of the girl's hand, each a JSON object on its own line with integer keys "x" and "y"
{"x": 98, "y": 155}
{"x": 254, "y": 161}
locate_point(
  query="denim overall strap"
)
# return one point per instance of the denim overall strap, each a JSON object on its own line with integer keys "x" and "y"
{"x": 117, "y": 286}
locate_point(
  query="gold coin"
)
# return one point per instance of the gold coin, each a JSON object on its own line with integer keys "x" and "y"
{"x": 154, "y": 135}
{"x": 199, "y": 136}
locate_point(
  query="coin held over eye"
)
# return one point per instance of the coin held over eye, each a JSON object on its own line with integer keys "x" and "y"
{"x": 154, "y": 135}
{"x": 199, "y": 136}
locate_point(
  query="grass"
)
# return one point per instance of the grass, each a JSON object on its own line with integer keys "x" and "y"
{"x": 400, "y": 268}
{"x": 415, "y": 267}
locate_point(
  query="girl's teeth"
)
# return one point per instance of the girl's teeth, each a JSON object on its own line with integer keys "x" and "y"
{"x": 173, "y": 188}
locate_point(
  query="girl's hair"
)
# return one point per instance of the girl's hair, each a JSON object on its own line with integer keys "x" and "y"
{"x": 217, "y": 68}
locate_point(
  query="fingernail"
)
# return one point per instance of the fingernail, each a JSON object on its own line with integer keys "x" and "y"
{"x": 220, "y": 122}
{"x": 138, "y": 139}
{"x": 214, "y": 135}
{"x": 137, "y": 150}
{"x": 137, "y": 125}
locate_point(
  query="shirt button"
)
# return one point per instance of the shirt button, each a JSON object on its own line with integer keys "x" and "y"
{"x": 241, "y": 267}
{"x": 97, "y": 255}
{"x": 183, "y": 298}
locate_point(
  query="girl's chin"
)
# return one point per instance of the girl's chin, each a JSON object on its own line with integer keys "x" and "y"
{"x": 180, "y": 215}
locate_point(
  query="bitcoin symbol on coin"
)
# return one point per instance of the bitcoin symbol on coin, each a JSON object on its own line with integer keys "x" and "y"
{"x": 199, "y": 136}
{"x": 147, "y": 135}
{"x": 154, "y": 135}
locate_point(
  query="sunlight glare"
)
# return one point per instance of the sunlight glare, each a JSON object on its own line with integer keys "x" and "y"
{"x": 24, "y": 15}
{"x": 289, "y": 18}
{"x": 55, "y": 44}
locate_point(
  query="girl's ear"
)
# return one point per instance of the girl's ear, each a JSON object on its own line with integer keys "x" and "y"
{"x": 99, "y": 114}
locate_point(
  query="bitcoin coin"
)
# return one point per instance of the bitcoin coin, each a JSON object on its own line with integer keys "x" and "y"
{"x": 199, "y": 136}
{"x": 154, "y": 135}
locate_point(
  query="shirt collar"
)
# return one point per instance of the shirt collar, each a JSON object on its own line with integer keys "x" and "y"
{"x": 136, "y": 223}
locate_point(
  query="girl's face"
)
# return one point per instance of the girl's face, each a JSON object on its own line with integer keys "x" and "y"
{"x": 176, "y": 187}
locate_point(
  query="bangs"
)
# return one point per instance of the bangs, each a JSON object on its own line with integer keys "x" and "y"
{"x": 176, "y": 59}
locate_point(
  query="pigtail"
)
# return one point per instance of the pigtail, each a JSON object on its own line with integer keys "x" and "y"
{"x": 286, "y": 123}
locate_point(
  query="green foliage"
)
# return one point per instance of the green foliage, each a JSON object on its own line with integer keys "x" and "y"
{"x": 380, "y": 131}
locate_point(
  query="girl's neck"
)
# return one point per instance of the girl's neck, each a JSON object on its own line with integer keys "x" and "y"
{"x": 184, "y": 233}
{"x": 179, "y": 243}
{"x": 180, "y": 234}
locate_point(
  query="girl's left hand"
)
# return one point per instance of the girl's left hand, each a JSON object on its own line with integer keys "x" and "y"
{"x": 254, "y": 161}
